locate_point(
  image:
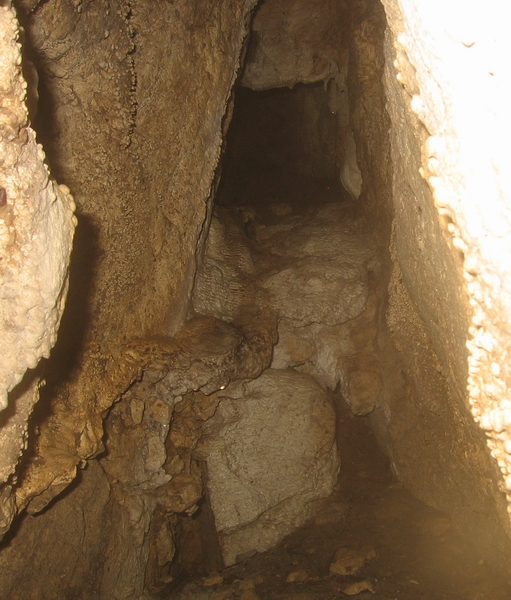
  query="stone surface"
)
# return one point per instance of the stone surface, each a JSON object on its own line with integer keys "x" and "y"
{"x": 140, "y": 219}
{"x": 320, "y": 262}
{"x": 130, "y": 161}
{"x": 442, "y": 305}
{"x": 80, "y": 526}
{"x": 349, "y": 561}
{"x": 223, "y": 285}
{"x": 293, "y": 42}
{"x": 261, "y": 483}
{"x": 36, "y": 232}
{"x": 320, "y": 289}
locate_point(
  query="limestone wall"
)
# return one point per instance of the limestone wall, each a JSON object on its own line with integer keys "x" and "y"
{"x": 133, "y": 107}
{"x": 132, "y": 101}
{"x": 445, "y": 86}
{"x": 36, "y": 233}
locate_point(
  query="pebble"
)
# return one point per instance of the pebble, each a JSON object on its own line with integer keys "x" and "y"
{"x": 213, "y": 579}
{"x": 249, "y": 584}
{"x": 297, "y": 576}
{"x": 349, "y": 561}
{"x": 358, "y": 587}
{"x": 249, "y": 594}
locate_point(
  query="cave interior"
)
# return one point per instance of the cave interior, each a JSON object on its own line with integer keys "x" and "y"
{"x": 256, "y": 392}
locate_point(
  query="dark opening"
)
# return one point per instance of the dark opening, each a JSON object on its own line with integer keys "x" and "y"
{"x": 282, "y": 147}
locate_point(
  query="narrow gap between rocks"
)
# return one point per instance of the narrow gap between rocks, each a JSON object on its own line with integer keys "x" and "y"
{"x": 282, "y": 518}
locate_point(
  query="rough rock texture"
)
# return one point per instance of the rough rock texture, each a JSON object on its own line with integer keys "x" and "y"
{"x": 325, "y": 272}
{"x": 141, "y": 171}
{"x": 319, "y": 285}
{"x": 156, "y": 429}
{"x": 37, "y": 226}
{"x": 36, "y": 233}
{"x": 293, "y": 41}
{"x": 262, "y": 483}
{"x": 430, "y": 310}
{"x": 315, "y": 271}
{"x": 133, "y": 103}
{"x": 81, "y": 529}
{"x": 139, "y": 218}
{"x": 142, "y": 191}
{"x": 223, "y": 286}
{"x": 446, "y": 248}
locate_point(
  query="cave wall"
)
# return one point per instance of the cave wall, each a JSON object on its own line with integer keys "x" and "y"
{"x": 443, "y": 289}
{"x": 36, "y": 234}
{"x": 132, "y": 98}
{"x": 426, "y": 410}
{"x": 423, "y": 418}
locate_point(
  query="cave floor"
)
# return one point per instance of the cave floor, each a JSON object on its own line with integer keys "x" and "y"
{"x": 371, "y": 539}
{"x": 390, "y": 545}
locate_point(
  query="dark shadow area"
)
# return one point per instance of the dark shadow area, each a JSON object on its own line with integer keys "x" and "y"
{"x": 65, "y": 360}
{"x": 45, "y": 124}
{"x": 281, "y": 148}
{"x": 14, "y": 395}
{"x": 19, "y": 519}
{"x": 197, "y": 551}
{"x": 76, "y": 320}
{"x": 40, "y": 99}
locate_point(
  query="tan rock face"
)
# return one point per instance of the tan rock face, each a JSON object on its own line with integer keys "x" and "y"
{"x": 319, "y": 288}
{"x": 130, "y": 160}
{"x": 81, "y": 527}
{"x": 261, "y": 483}
{"x": 293, "y": 42}
{"x": 109, "y": 138}
{"x": 430, "y": 304}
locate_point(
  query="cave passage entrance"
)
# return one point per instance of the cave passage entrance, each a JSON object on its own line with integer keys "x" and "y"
{"x": 282, "y": 147}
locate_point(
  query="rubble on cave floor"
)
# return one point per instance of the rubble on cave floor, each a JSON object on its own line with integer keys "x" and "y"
{"x": 371, "y": 540}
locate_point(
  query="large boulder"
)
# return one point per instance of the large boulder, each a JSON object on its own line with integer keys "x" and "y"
{"x": 271, "y": 457}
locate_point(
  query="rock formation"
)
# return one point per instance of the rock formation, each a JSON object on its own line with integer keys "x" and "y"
{"x": 36, "y": 233}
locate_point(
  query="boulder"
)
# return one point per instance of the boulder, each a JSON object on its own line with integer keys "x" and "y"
{"x": 271, "y": 456}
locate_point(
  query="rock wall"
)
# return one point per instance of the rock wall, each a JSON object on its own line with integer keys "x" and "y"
{"x": 439, "y": 293}
{"x": 269, "y": 450}
{"x": 36, "y": 233}
{"x": 437, "y": 339}
{"x": 133, "y": 106}
{"x": 132, "y": 98}
{"x": 262, "y": 484}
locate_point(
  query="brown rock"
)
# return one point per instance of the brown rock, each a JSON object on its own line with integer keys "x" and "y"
{"x": 297, "y": 576}
{"x": 213, "y": 579}
{"x": 350, "y": 561}
{"x": 358, "y": 587}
